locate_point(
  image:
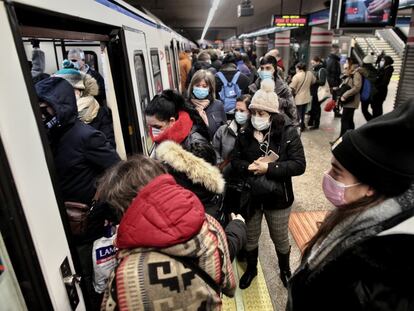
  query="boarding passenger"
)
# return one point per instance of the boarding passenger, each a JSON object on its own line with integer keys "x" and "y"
{"x": 319, "y": 72}
{"x": 215, "y": 61}
{"x": 333, "y": 68}
{"x": 348, "y": 95}
{"x": 89, "y": 111}
{"x": 170, "y": 251}
{"x": 225, "y": 137}
{"x": 369, "y": 74}
{"x": 77, "y": 56}
{"x": 203, "y": 62}
{"x": 385, "y": 72}
{"x": 267, "y": 70}
{"x": 202, "y": 95}
{"x": 169, "y": 117}
{"x": 361, "y": 257}
{"x": 241, "y": 66}
{"x": 301, "y": 85}
{"x": 280, "y": 69}
{"x": 253, "y": 71}
{"x": 267, "y": 153}
{"x": 185, "y": 67}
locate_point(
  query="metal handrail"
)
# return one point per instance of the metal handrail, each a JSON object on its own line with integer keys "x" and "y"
{"x": 392, "y": 38}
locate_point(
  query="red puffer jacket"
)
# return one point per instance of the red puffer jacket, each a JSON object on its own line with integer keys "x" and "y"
{"x": 162, "y": 215}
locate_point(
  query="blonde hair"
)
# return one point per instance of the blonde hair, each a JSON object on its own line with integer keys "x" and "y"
{"x": 121, "y": 184}
{"x": 207, "y": 76}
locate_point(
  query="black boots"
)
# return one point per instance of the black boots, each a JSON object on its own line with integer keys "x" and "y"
{"x": 251, "y": 270}
{"x": 284, "y": 266}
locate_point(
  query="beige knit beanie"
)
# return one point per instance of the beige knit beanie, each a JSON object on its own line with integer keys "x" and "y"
{"x": 266, "y": 98}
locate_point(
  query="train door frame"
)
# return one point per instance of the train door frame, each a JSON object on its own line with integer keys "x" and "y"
{"x": 136, "y": 45}
{"x": 169, "y": 67}
{"x": 175, "y": 64}
{"x": 155, "y": 52}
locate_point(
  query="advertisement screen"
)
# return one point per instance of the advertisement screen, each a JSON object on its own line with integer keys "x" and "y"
{"x": 406, "y": 3}
{"x": 368, "y": 13}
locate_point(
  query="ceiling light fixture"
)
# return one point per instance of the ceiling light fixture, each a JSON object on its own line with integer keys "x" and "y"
{"x": 210, "y": 17}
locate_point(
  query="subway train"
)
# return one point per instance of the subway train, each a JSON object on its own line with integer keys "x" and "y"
{"x": 137, "y": 55}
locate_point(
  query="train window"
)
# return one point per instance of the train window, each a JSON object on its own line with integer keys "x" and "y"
{"x": 142, "y": 79}
{"x": 156, "y": 71}
{"x": 92, "y": 60}
{"x": 168, "y": 59}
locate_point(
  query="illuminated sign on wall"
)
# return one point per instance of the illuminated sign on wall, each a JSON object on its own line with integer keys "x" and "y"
{"x": 289, "y": 21}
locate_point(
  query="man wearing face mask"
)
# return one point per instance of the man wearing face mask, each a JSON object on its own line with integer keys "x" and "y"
{"x": 361, "y": 257}
{"x": 385, "y": 72}
{"x": 267, "y": 70}
{"x": 77, "y": 56}
{"x": 267, "y": 153}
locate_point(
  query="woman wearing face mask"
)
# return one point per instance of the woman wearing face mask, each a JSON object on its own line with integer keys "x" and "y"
{"x": 383, "y": 79}
{"x": 202, "y": 97}
{"x": 361, "y": 256}
{"x": 268, "y": 133}
{"x": 225, "y": 137}
{"x": 169, "y": 117}
{"x": 268, "y": 70}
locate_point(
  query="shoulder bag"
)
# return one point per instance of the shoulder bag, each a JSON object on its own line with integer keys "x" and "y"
{"x": 324, "y": 92}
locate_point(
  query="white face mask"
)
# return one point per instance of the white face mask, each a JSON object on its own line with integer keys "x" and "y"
{"x": 260, "y": 123}
{"x": 382, "y": 63}
{"x": 156, "y": 132}
{"x": 241, "y": 117}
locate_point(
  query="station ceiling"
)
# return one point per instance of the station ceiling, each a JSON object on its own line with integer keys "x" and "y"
{"x": 188, "y": 17}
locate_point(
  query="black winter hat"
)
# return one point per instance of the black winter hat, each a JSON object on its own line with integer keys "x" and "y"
{"x": 381, "y": 152}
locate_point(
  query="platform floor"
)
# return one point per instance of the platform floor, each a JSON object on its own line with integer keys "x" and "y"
{"x": 308, "y": 197}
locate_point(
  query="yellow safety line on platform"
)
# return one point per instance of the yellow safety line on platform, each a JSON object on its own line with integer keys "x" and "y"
{"x": 256, "y": 297}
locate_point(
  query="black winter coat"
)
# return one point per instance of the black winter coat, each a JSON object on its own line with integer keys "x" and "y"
{"x": 81, "y": 153}
{"x": 229, "y": 70}
{"x": 103, "y": 123}
{"x": 383, "y": 79}
{"x": 216, "y": 116}
{"x": 101, "y": 97}
{"x": 374, "y": 273}
{"x": 333, "y": 68}
{"x": 291, "y": 162}
{"x": 198, "y": 66}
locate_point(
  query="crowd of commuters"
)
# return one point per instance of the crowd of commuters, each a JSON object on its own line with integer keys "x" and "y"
{"x": 226, "y": 149}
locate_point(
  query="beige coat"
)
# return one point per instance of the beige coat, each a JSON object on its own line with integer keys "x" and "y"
{"x": 355, "y": 82}
{"x": 303, "y": 95}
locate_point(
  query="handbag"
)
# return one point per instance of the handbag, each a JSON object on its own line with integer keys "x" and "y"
{"x": 324, "y": 92}
{"x": 344, "y": 87}
{"x": 237, "y": 198}
{"x": 330, "y": 105}
{"x": 78, "y": 214}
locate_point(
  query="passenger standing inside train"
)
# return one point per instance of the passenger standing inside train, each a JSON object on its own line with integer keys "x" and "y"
{"x": 188, "y": 246}
{"x": 77, "y": 56}
{"x": 348, "y": 95}
{"x": 269, "y": 133}
{"x": 385, "y": 72}
{"x": 301, "y": 87}
{"x": 320, "y": 74}
{"x": 202, "y": 95}
{"x": 369, "y": 73}
{"x": 89, "y": 110}
{"x": 333, "y": 68}
{"x": 185, "y": 67}
{"x": 361, "y": 257}
{"x": 268, "y": 70}
{"x": 169, "y": 117}
{"x": 225, "y": 137}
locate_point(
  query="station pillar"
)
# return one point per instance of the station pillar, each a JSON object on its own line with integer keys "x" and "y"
{"x": 405, "y": 84}
{"x": 282, "y": 43}
{"x": 320, "y": 42}
{"x": 261, "y": 46}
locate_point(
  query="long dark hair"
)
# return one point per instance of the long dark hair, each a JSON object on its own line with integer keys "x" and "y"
{"x": 340, "y": 214}
{"x": 168, "y": 104}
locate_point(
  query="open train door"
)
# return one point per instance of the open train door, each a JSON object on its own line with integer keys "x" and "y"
{"x": 176, "y": 67}
{"x": 36, "y": 266}
{"x": 138, "y": 59}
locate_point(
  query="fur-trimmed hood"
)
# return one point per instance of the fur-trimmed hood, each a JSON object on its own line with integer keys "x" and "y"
{"x": 196, "y": 169}
{"x": 91, "y": 86}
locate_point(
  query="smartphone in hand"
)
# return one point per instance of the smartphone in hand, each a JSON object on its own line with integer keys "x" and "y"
{"x": 270, "y": 157}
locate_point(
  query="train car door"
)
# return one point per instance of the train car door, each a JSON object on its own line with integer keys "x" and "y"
{"x": 174, "y": 60}
{"x": 141, "y": 78}
{"x": 33, "y": 199}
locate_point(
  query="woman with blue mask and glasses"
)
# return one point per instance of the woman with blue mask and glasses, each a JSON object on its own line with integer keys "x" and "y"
{"x": 267, "y": 153}
{"x": 361, "y": 257}
{"x": 268, "y": 70}
{"x": 202, "y": 97}
{"x": 225, "y": 137}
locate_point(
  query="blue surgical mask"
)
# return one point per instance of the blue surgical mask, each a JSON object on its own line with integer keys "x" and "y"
{"x": 241, "y": 117}
{"x": 264, "y": 74}
{"x": 201, "y": 92}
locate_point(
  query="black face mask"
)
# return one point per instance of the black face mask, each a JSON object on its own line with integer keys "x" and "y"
{"x": 48, "y": 119}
